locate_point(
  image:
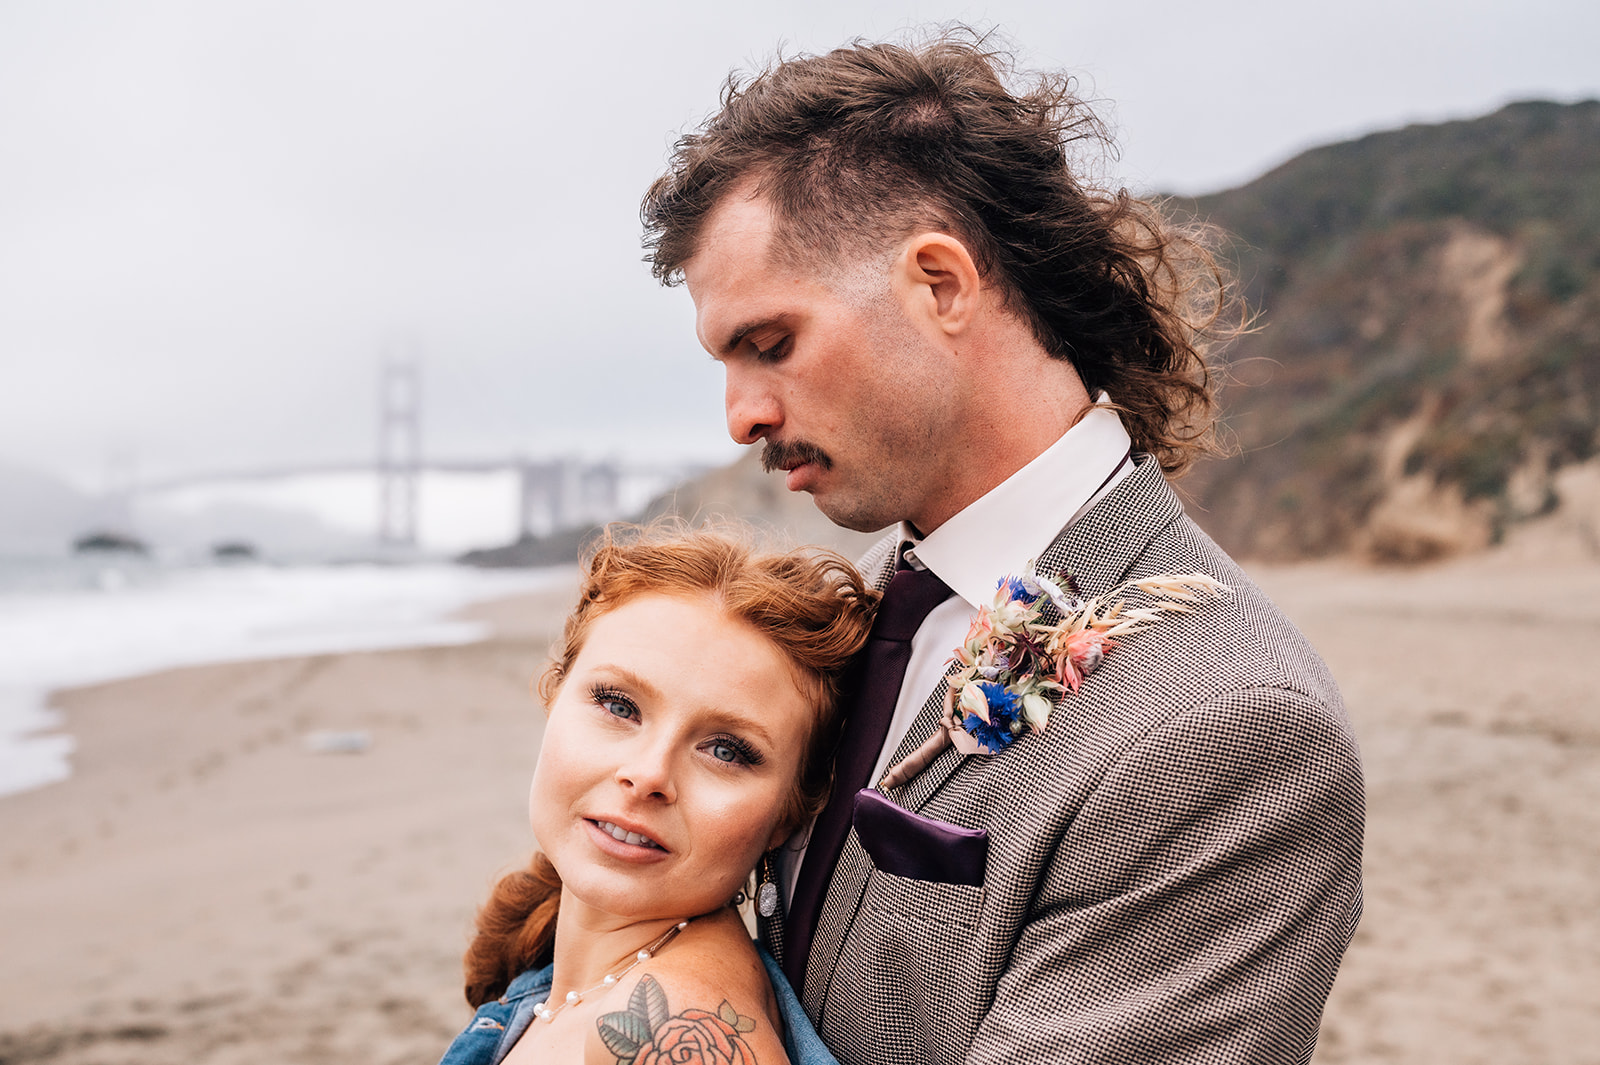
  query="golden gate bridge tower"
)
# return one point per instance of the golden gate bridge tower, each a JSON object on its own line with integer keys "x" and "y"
{"x": 399, "y": 450}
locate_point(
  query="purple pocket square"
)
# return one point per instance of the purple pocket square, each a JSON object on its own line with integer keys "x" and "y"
{"x": 917, "y": 847}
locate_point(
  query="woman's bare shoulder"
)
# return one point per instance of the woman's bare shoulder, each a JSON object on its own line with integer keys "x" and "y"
{"x": 706, "y": 999}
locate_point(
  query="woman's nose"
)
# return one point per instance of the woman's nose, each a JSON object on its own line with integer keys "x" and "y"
{"x": 647, "y": 771}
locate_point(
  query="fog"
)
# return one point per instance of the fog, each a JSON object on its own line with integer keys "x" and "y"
{"x": 215, "y": 218}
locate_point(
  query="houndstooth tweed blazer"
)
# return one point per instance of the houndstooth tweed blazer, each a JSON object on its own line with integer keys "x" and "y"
{"x": 1172, "y": 870}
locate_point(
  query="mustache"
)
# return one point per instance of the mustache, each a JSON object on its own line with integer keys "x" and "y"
{"x": 779, "y": 455}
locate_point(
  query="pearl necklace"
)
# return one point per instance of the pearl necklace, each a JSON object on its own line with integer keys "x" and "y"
{"x": 546, "y": 1013}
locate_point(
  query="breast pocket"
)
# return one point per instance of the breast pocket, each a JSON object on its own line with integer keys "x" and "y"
{"x": 918, "y": 908}
{"x": 927, "y": 874}
{"x": 915, "y": 847}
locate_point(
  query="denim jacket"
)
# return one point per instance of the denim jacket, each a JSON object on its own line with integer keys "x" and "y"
{"x": 497, "y": 1025}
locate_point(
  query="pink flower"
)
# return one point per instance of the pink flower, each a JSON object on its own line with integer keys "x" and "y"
{"x": 695, "y": 1037}
{"x": 1067, "y": 674}
{"x": 1082, "y": 654}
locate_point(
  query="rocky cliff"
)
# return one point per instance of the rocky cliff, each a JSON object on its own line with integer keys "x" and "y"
{"x": 1426, "y": 374}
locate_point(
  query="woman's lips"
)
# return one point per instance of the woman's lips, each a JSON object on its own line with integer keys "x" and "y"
{"x": 617, "y": 832}
{"x": 623, "y": 843}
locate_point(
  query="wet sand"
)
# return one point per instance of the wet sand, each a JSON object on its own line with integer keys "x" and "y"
{"x": 205, "y": 889}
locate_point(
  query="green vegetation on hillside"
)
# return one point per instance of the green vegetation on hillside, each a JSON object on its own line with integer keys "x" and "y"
{"x": 1430, "y": 349}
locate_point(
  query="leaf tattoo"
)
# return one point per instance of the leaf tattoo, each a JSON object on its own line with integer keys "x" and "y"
{"x": 650, "y": 1002}
{"x": 646, "y": 1034}
{"x": 624, "y": 1034}
{"x": 732, "y": 1018}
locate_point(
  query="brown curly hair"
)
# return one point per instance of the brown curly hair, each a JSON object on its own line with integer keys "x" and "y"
{"x": 865, "y": 145}
{"x": 812, "y": 605}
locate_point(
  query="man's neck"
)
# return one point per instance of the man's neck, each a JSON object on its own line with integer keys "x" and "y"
{"x": 1013, "y": 434}
{"x": 1016, "y": 401}
{"x": 1004, "y": 530}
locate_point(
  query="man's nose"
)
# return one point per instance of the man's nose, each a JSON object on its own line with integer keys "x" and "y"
{"x": 648, "y": 772}
{"x": 753, "y": 411}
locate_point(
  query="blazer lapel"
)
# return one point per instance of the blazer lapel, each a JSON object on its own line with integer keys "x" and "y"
{"x": 878, "y": 564}
{"x": 1098, "y": 550}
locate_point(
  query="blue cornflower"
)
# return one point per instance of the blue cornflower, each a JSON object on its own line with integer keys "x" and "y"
{"x": 1003, "y": 702}
{"x": 996, "y": 738}
{"x": 1017, "y": 588}
{"x": 1004, "y": 708}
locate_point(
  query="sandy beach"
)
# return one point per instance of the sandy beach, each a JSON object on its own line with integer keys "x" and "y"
{"x": 206, "y": 889}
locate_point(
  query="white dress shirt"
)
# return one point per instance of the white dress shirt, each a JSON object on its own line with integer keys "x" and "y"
{"x": 996, "y": 536}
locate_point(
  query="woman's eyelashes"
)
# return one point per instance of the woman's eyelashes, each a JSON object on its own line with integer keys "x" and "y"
{"x": 614, "y": 702}
{"x": 733, "y": 750}
{"x": 725, "y": 748}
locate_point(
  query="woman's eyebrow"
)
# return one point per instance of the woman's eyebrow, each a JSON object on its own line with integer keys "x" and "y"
{"x": 723, "y": 717}
{"x": 741, "y": 722}
{"x": 626, "y": 678}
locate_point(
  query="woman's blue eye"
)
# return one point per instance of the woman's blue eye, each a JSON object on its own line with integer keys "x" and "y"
{"x": 733, "y": 751}
{"x": 615, "y": 704}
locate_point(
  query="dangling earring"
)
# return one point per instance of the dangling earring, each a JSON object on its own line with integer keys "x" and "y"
{"x": 767, "y": 893}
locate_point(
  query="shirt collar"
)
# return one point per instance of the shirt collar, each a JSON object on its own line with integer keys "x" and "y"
{"x": 1000, "y": 533}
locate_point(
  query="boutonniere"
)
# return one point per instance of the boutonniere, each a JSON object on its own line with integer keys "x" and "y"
{"x": 1014, "y": 667}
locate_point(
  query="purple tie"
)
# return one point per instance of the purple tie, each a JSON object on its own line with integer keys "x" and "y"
{"x": 869, "y": 707}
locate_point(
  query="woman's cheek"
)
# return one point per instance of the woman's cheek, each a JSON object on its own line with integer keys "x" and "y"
{"x": 545, "y": 794}
{"x": 746, "y": 821}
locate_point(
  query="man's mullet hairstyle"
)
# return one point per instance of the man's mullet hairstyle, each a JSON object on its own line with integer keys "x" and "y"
{"x": 870, "y": 143}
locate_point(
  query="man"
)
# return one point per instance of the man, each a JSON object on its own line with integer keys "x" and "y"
{"x": 932, "y": 323}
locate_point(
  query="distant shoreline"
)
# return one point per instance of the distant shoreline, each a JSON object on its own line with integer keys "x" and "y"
{"x": 58, "y": 639}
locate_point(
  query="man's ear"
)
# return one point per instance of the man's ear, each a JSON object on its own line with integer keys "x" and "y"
{"x": 938, "y": 282}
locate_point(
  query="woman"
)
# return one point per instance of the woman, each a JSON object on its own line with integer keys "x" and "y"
{"x": 691, "y": 720}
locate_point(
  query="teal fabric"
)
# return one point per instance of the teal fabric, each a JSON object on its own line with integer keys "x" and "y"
{"x": 497, "y": 1025}
{"x": 800, "y": 1039}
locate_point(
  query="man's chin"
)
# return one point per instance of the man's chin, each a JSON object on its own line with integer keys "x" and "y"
{"x": 847, "y": 515}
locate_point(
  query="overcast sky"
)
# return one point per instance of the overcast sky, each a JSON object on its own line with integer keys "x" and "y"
{"x": 215, "y": 216}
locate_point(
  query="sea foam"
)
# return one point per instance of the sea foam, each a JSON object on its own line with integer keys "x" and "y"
{"x": 124, "y": 621}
